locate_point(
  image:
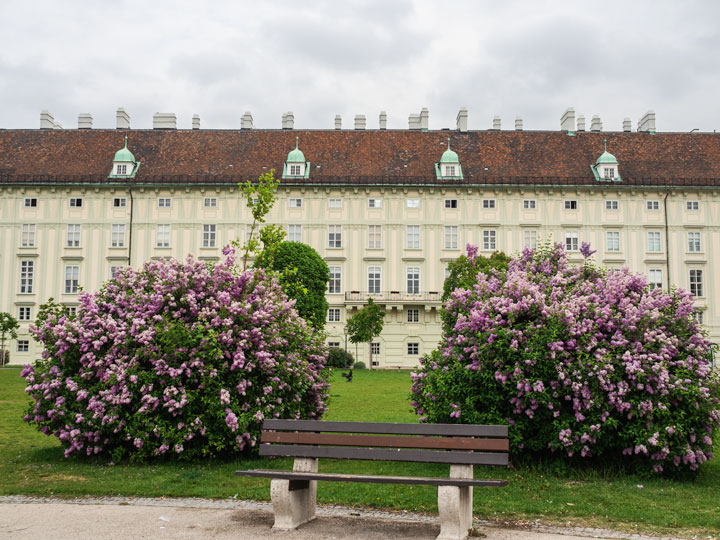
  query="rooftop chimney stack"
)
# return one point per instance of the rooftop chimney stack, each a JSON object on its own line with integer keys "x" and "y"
{"x": 567, "y": 120}
{"x": 246, "y": 122}
{"x": 164, "y": 121}
{"x": 57, "y": 125}
{"x": 85, "y": 121}
{"x": 196, "y": 121}
{"x": 47, "y": 121}
{"x": 288, "y": 120}
{"x": 360, "y": 121}
{"x": 518, "y": 123}
{"x": 461, "y": 121}
{"x": 497, "y": 123}
{"x": 595, "y": 123}
{"x": 338, "y": 121}
{"x": 627, "y": 125}
{"x": 424, "y": 119}
{"x": 383, "y": 120}
{"x": 581, "y": 123}
{"x": 647, "y": 122}
{"x": 122, "y": 119}
{"x": 414, "y": 121}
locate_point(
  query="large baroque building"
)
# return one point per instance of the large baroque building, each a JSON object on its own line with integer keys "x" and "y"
{"x": 387, "y": 209}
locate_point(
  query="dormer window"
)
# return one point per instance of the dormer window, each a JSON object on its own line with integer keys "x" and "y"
{"x": 449, "y": 170}
{"x": 605, "y": 168}
{"x": 609, "y": 173}
{"x": 295, "y": 165}
{"x": 449, "y": 165}
{"x": 124, "y": 164}
{"x": 121, "y": 169}
{"x": 294, "y": 170}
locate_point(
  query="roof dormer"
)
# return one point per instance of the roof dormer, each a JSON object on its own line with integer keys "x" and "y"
{"x": 295, "y": 165}
{"x": 605, "y": 168}
{"x": 124, "y": 164}
{"x": 449, "y": 166}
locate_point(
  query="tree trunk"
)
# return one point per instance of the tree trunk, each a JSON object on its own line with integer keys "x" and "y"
{"x": 370, "y": 345}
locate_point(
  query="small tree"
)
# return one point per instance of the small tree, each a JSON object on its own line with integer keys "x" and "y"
{"x": 8, "y": 325}
{"x": 366, "y": 324}
{"x": 260, "y": 199}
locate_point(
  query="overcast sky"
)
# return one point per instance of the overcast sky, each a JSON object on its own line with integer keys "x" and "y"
{"x": 219, "y": 59}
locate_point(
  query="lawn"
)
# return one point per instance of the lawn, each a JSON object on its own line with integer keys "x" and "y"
{"x": 33, "y": 464}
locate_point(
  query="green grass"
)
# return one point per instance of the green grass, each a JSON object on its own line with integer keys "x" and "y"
{"x": 33, "y": 464}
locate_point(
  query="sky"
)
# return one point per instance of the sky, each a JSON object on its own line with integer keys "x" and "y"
{"x": 320, "y": 58}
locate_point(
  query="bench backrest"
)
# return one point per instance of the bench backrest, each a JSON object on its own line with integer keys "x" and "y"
{"x": 465, "y": 444}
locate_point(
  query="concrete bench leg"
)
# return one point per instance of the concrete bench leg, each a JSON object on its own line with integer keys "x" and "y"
{"x": 455, "y": 505}
{"x": 294, "y": 504}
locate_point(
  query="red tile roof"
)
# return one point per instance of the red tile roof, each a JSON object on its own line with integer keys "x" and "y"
{"x": 392, "y": 156}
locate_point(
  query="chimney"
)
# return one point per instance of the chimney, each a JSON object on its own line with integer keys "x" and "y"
{"x": 246, "y": 122}
{"x": 383, "y": 120}
{"x": 581, "y": 123}
{"x": 647, "y": 122}
{"x": 196, "y": 121}
{"x": 122, "y": 119}
{"x": 84, "y": 121}
{"x": 338, "y": 121}
{"x": 57, "y": 125}
{"x": 360, "y": 121}
{"x": 595, "y": 123}
{"x": 627, "y": 125}
{"x": 288, "y": 121}
{"x": 518, "y": 123}
{"x": 461, "y": 122}
{"x": 46, "y": 120}
{"x": 164, "y": 121}
{"x": 424, "y": 119}
{"x": 497, "y": 123}
{"x": 414, "y": 121}
{"x": 567, "y": 120}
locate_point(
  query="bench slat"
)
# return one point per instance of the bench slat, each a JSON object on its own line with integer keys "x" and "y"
{"x": 456, "y": 430}
{"x": 291, "y": 475}
{"x": 444, "y": 443}
{"x": 382, "y": 454}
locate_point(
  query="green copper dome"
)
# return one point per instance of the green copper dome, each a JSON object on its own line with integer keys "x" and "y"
{"x": 296, "y": 156}
{"x": 124, "y": 154}
{"x": 449, "y": 156}
{"x": 606, "y": 157}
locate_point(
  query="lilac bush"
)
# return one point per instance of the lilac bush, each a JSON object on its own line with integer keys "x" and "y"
{"x": 583, "y": 363}
{"x": 178, "y": 359}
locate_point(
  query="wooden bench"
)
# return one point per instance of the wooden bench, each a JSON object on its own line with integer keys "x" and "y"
{"x": 293, "y": 493}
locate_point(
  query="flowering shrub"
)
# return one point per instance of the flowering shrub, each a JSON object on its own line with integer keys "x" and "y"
{"x": 581, "y": 362}
{"x": 176, "y": 359}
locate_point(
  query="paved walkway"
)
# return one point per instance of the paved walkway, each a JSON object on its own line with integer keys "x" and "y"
{"x": 29, "y": 518}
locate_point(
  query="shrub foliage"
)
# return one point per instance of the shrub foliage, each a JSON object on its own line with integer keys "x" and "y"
{"x": 176, "y": 359}
{"x": 581, "y": 362}
{"x": 338, "y": 358}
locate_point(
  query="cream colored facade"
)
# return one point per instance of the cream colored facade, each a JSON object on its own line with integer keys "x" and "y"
{"x": 408, "y": 234}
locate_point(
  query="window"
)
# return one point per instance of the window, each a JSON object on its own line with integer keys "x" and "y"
{"x": 295, "y": 203}
{"x": 696, "y": 282}
{"x": 121, "y": 169}
{"x": 571, "y": 241}
{"x": 699, "y": 316}
{"x": 413, "y": 203}
{"x": 609, "y": 173}
{"x": 294, "y": 170}
{"x": 612, "y": 205}
{"x": 75, "y": 202}
{"x": 570, "y": 205}
{"x": 530, "y": 239}
{"x": 451, "y": 203}
{"x": 164, "y": 202}
{"x": 412, "y": 237}
{"x": 333, "y": 314}
{"x": 73, "y": 235}
{"x": 332, "y": 344}
{"x": 374, "y": 274}
{"x": 71, "y": 311}
{"x": 652, "y": 205}
{"x": 653, "y": 238}
{"x": 31, "y": 202}
{"x": 374, "y": 236}
{"x": 489, "y": 240}
{"x": 451, "y": 237}
{"x": 114, "y": 270}
{"x": 334, "y": 236}
{"x": 449, "y": 170}
{"x": 612, "y": 241}
{"x": 334, "y": 203}
{"x": 374, "y": 203}
{"x": 72, "y": 278}
{"x": 210, "y": 202}
{"x": 413, "y": 315}
{"x": 375, "y": 348}
{"x": 209, "y": 236}
{"x": 117, "y": 236}
{"x": 24, "y": 313}
{"x": 27, "y": 236}
{"x": 23, "y": 345}
{"x": 529, "y": 204}
{"x": 655, "y": 278}
{"x": 162, "y": 236}
{"x": 119, "y": 202}
{"x": 694, "y": 242}
{"x": 692, "y": 205}
{"x": 294, "y": 233}
{"x": 413, "y": 280}
{"x": 488, "y": 203}
{"x": 335, "y": 282}
{"x": 27, "y": 276}
{"x": 413, "y": 348}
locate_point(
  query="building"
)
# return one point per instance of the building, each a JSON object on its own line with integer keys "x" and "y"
{"x": 387, "y": 209}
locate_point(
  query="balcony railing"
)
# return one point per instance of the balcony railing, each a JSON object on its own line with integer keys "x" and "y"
{"x": 393, "y": 296}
